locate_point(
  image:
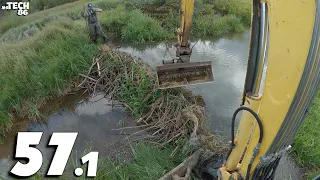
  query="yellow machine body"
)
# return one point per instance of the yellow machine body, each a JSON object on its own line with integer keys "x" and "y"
{"x": 292, "y": 61}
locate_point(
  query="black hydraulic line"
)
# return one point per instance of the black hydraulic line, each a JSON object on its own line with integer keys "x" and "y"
{"x": 233, "y": 122}
{"x": 243, "y": 108}
{"x": 253, "y": 49}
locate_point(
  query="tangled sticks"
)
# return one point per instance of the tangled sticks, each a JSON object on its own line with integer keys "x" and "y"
{"x": 169, "y": 115}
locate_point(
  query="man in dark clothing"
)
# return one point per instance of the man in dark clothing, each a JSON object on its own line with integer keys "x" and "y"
{"x": 94, "y": 26}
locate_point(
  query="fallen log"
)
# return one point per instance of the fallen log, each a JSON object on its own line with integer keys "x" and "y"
{"x": 183, "y": 170}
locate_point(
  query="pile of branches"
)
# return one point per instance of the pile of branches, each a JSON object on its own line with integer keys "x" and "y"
{"x": 168, "y": 115}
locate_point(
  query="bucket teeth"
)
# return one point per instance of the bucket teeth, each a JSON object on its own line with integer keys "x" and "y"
{"x": 181, "y": 74}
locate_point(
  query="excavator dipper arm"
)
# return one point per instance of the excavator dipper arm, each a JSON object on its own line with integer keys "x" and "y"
{"x": 181, "y": 71}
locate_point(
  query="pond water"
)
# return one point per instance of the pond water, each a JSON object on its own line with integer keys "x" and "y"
{"x": 95, "y": 120}
{"x": 229, "y": 62}
{"x": 92, "y": 118}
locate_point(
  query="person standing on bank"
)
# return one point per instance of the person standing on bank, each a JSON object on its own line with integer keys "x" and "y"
{"x": 94, "y": 26}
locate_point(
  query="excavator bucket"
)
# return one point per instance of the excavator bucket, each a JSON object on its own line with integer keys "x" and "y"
{"x": 182, "y": 74}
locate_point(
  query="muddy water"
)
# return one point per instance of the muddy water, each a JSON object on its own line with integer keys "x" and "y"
{"x": 93, "y": 119}
{"x": 223, "y": 96}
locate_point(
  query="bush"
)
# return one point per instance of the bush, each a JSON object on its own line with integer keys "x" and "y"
{"x": 216, "y": 26}
{"x": 239, "y": 8}
{"x": 142, "y": 28}
{"x": 114, "y": 20}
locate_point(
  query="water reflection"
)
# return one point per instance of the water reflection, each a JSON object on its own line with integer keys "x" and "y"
{"x": 229, "y": 59}
{"x": 93, "y": 119}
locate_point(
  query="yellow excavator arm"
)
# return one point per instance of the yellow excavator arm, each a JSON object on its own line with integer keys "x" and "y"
{"x": 184, "y": 31}
{"x": 181, "y": 70}
{"x": 285, "y": 39}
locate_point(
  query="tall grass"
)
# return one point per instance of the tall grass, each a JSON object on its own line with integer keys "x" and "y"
{"x": 12, "y": 20}
{"x": 216, "y": 26}
{"x": 135, "y": 95}
{"x": 41, "y": 66}
{"x": 69, "y": 9}
{"x": 122, "y": 18}
{"x": 306, "y": 147}
{"x": 113, "y": 21}
{"x": 38, "y": 5}
{"x": 132, "y": 26}
{"x": 239, "y": 8}
{"x": 142, "y": 28}
{"x": 148, "y": 162}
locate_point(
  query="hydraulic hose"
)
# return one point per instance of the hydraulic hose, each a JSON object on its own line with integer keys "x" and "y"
{"x": 255, "y": 152}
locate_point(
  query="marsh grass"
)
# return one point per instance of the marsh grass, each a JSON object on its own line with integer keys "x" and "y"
{"x": 212, "y": 26}
{"x": 41, "y": 66}
{"x": 306, "y": 147}
{"x": 142, "y": 28}
{"x": 148, "y": 162}
{"x": 125, "y": 21}
{"x": 239, "y": 8}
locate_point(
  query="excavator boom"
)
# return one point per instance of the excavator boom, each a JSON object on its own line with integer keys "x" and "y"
{"x": 181, "y": 71}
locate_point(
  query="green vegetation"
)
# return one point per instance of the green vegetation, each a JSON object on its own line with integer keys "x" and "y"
{"x": 239, "y": 8}
{"x": 11, "y": 20}
{"x": 124, "y": 20}
{"x": 41, "y": 66}
{"x": 142, "y": 28}
{"x": 132, "y": 26}
{"x": 137, "y": 96}
{"x": 306, "y": 147}
{"x": 46, "y": 50}
{"x": 38, "y": 5}
{"x": 217, "y": 27}
{"x": 148, "y": 162}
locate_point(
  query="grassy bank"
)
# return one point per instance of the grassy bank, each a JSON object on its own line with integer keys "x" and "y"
{"x": 138, "y": 21}
{"x": 40, "y": 67}
{"x": 306, "y": 147}
{"x": 149, "y": 162}
{"x": 43, "y": 52}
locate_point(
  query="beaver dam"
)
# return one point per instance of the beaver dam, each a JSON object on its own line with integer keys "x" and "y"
{"x": 169, "y": 116}
{"x": 171, "y": 120}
